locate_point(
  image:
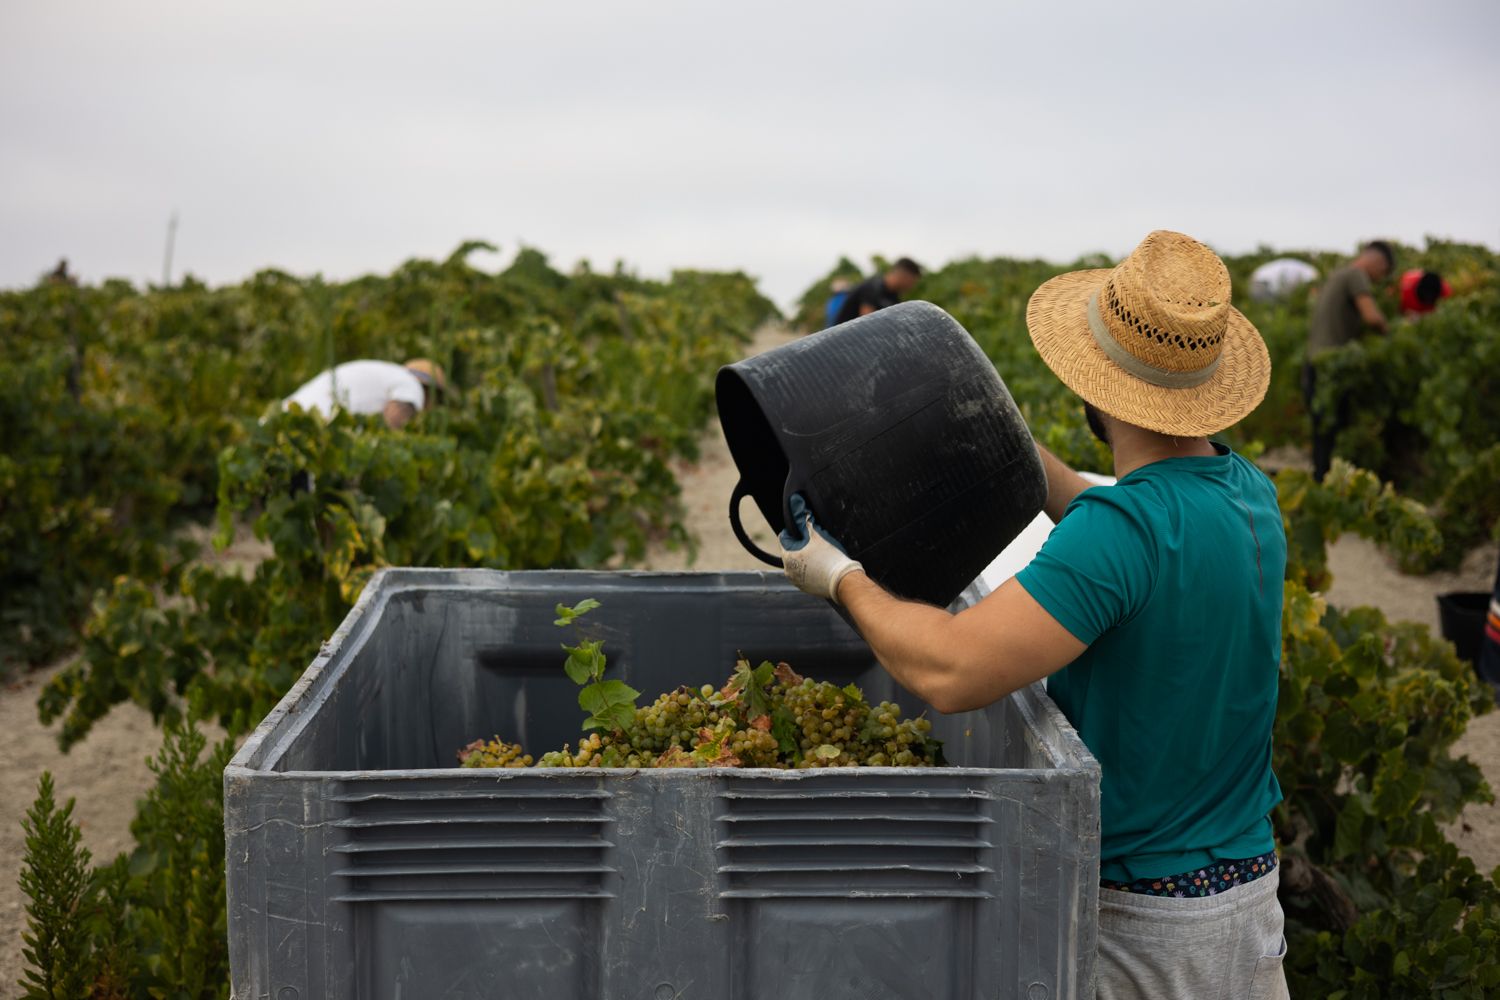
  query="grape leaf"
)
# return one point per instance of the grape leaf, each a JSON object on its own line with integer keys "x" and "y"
{"x": 784, "y": 728}
{"x": 739, "y": 679}
{"x": 752, "y": 683}
{"x": 611, "y": 704}
{"x": 932, "y": 749}
{"x": 566, "y": 615}
{"x": 827, "y": 751}
{"x": 675, "y": 756}
{"x": 854, "y": 694}
{"x": 712, "y": 749}
{"x": 585, "y": 661}
{"x": 786, "y": 675}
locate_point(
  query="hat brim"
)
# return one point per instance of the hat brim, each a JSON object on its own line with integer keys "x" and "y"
{"x": 1057, "y": 318}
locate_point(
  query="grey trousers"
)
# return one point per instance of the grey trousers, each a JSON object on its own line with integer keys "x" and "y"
{"x": 1224, "y": 947}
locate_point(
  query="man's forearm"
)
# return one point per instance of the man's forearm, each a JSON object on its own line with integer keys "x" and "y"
{"x": 911, "y": 640}
{"x": 1063, "y": 484}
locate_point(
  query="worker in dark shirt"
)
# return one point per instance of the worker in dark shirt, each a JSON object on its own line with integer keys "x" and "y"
{"x": 1344, "y": 310}
{"x": 883, "y": 290}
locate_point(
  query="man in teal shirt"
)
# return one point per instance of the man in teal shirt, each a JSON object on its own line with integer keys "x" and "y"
{"x": 1155, "y": 608}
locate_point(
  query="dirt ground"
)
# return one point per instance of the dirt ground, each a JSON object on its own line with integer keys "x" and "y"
{"x": 706, "y": 486}
{"x": 107, "y": 772}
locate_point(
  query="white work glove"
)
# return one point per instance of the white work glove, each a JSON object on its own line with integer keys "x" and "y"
{"x": 813, "y": 560}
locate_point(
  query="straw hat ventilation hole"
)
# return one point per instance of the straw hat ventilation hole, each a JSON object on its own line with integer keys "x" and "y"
{"x": 1148, "y": 331}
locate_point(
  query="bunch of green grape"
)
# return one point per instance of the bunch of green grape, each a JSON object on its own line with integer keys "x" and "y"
{"x": 674, "y": 719}
{"x": 763, "y": 717}
{"x": 598, "y": 750}
{"x": 493, "y": 753}
{"x": 837, "y": 728}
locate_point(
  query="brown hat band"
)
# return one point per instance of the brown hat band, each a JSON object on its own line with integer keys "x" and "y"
{"x": 1135, "y": 366}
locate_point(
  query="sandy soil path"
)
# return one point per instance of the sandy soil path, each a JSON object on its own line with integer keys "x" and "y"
{"x": 706, "y": 485}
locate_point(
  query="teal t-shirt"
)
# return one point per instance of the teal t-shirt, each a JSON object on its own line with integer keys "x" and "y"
{"x": 1173, "y": 578}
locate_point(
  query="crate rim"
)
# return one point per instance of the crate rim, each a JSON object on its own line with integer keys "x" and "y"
{"x": 256, "y": 757}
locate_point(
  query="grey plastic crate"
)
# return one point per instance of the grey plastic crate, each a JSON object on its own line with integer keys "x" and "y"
{"x": 364, "y": 864}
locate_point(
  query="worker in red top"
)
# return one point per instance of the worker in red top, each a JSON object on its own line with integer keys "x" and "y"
{"x": 1420, "y": 291}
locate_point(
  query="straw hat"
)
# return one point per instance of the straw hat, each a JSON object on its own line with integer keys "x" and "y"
{"x": 429, "y": 373}
{"x": 1154, "y": 342}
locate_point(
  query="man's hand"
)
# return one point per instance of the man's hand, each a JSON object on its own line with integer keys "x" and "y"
{"x": 814, "y": 562}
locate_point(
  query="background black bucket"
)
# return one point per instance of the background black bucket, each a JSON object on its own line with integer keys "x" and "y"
{"x": 1461, "y": 615}
{"x": 902, "y": 437}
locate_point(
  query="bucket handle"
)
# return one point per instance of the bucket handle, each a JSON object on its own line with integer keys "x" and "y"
{"x": 740, "y": 492}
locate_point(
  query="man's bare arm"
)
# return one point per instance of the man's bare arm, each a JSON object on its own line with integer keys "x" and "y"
{"x": 965, "y": 661}
{"x": 1370, "y": 312}
{"x": 1063, "y": 484}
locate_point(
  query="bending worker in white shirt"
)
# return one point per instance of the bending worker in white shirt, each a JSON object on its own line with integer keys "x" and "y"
{"x": 394, "y": 391}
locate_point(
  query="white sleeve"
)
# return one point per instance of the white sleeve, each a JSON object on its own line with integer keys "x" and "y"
{"x": 406, "y": 390}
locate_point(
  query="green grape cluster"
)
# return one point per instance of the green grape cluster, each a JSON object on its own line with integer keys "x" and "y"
{"x": 767, "y": 716}
{"x": 493, "y": 753}
{"x": 674, "y": 719}
{"x": 755, "y": 747}
{"x": 837, "y": 728}
{"x": 598, "y": 750}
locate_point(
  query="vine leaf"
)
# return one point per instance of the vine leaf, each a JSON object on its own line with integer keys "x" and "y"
{"x": 611, "y": 704}
{"x": 585, "y": 661}
{"x": 567, "y": 615}
{"x": 752, "y": 683}
{"x": 784, "y": 728}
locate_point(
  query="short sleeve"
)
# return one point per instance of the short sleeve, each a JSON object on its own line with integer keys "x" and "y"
{"x": 1358, "y": 284}
{"x": 406, "y": 390}
{"x": 1097, "y": 568}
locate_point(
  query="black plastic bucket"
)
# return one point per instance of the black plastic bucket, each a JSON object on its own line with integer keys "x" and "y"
{"x": 1461, "y": 615}
{"x": 902, "y": 437}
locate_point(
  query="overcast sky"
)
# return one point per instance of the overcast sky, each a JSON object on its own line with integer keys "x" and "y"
{"x": 773, "y": 137}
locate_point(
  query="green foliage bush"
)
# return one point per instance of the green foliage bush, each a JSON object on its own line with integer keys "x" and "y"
{"x": 55, "y": 879}
{"x": 557, "y": 454}
{"x": 121, "y": 400}
{"x": 153, "y": 922}
{"x": 1376, "y": 897}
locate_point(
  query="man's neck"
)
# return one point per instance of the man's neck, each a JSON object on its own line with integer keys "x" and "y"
{"x": 1135, "y": 448}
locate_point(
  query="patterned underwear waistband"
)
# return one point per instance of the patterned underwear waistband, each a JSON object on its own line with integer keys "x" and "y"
{"x": 1210, "y": 880}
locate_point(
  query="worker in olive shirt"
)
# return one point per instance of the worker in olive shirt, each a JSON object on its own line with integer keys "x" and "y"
{"x": 881, "y": 291}
{"x": 1344, "y": 309}
{"x": 1154, "y": 607}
